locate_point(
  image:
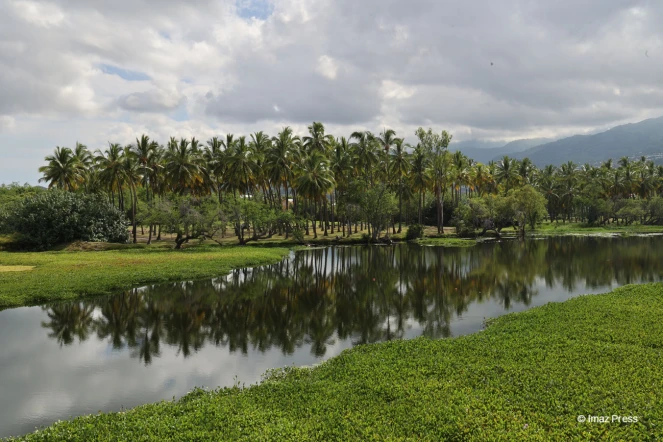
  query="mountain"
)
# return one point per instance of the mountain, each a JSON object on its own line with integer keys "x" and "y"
{"x": 485, "y": 151}
{"x": 629, "y": 140}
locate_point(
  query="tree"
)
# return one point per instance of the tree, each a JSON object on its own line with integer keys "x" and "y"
{"x": 190, "y": 217}
{"x": 63, "y": 170}
{"x": 506, "y": 173}
{"x": 314, "y": 181}
{"x": 439, "y": 180}
{"x": 419, "y": 176}
{"x": 183, "y": 166}
{"x": 281, "y": 158}
{"x": 529, "y": 207}
{"x": 365, "y": 151}
{"x": 378, "y": 205}
{"x": 399, "y": 168}
{"x": 317, "y": 140}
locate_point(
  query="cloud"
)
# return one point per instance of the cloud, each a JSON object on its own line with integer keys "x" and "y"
{"x": 153, "y": 100}
{"x": 7, "y": 122}
{"x": 327, "y": 67}
{"x": 503, "y": 70}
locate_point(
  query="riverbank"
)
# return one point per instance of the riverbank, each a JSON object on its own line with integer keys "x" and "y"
{"x": 39, "y": 277}
{"x": 528, "y": 376}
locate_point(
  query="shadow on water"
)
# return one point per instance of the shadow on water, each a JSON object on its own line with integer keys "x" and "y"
{"x": 361, "y": 294}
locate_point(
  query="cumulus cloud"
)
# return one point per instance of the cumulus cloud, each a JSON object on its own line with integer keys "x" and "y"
{"x": 503, "y": 70}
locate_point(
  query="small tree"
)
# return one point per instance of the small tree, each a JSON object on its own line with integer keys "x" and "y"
{"x": 470, "y": 215}
{"x": 631, "y": 210}
{"x": 378, "y": 205}
{"x": 529, "y": 207}
{"x": 189, "y": 217}
{"x": 654, "y": 211}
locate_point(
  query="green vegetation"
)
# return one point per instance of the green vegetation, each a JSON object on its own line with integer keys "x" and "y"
{"x": 447, "y": 242}
{"x": 553, "y": 229}
{"x": 59, "y": 217}
{"x": 256, "y": 187}
{"x": 527, "y": 377}
{"x": 70, "y": 275}
{"x": 12, "y": 193}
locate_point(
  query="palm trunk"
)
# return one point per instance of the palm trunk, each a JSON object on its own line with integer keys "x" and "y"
{"x": 134, "y": 201}
{"x": 326, "y": 215}
{"x": 315, "y": 209}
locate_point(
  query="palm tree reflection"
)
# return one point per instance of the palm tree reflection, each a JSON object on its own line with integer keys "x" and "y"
{"x": 361, "y": 294}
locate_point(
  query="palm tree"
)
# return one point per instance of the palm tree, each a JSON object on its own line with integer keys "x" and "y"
{"x": 142, "y": 151}
{"x": 110, "y": 171}
{"x": 506, "y": 173}
{"x": 314, "y": 181}
{"x": 316, "y": 140}
{"x": 342, "y": 167}
{"x": 241, "y": 167}
{"x": 183, "y": 166}
{"x": 365, "y": 152}
{"x": 400, "y": 167}
{"x": 132, "y": 176}
{"x": 260, "y": 144}
{"x": 85, "y": 162}
{"x": 439, "y": 180}
{"x": 63, "y": 170}
{"x": 419, "y": 175}
{"x": 280, "y": 160}
{"x": 215, "y": 161}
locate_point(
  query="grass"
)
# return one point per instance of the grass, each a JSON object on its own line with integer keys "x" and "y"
{"x": 447, "y": 242}
{"x": 527, "y": 377}
{"x": 548, "y": 228}
{"x": 64, "y": 275}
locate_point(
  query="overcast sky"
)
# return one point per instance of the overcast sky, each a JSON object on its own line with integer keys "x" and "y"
{"x": 96, "y": 71}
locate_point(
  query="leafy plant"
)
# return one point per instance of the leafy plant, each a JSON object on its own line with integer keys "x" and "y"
{"x": 415, "y": 231}
{"x": 56, "y": 217}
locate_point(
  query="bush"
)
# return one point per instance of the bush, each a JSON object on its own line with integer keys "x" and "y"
{"x": 58, "y": 217}
{"x": 415, "y": 231}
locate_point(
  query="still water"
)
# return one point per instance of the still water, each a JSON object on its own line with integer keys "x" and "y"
{"x": 158, "y": 342}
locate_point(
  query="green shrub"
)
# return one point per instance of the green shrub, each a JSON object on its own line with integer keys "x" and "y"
{"x": 415, "y": 231}
{"x": 56, "y": 217}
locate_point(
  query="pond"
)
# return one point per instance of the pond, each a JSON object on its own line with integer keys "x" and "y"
{"x": 159, "y": 342}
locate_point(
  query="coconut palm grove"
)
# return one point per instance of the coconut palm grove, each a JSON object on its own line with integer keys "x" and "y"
{"x": 259, "y": 186}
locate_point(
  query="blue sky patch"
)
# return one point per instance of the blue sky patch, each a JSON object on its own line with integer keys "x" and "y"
{"x": 124, "y": 73}
{"x": 180, "y": 114}
{"x": 260, "y": 9}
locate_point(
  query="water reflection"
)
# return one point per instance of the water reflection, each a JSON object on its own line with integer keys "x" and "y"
{"x": 356, "y": 294}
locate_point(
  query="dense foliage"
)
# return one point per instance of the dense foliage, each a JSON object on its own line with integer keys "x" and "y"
{"x": 13, "y": 193}
{"x": 527, "y": 377}
{"x": 50, "y": 218}
{"x": 320, "y": 182}
{"x": 414, "y": 231}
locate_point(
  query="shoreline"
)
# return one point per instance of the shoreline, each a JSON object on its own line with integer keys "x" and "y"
{"x": 103, "y": 269}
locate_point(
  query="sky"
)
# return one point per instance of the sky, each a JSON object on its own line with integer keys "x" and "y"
{"x": 96, "y": 71}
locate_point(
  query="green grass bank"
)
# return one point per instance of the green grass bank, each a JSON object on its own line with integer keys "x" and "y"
{"x": 73, "y": 274}
{"x": 527, "y": 377}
